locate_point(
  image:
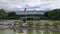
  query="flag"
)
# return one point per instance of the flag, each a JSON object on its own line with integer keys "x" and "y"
{"x": 24, "y": 10}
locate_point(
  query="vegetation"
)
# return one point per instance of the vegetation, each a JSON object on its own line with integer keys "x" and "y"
{"x": 15, "y": 23}
{"x": 56, "y": 23}
{"x": 46, "y": 24}
{"x": 11, "y": 15}
{"x": 37, "y": 23}
{"x": 30, "y": 31}
{"x": 30, "y": 23}
{"x": 53, "y": 14}
{"x": 3, "y": 14}
{"x": 20, "y": 30}
{"x": 20, "y": 23}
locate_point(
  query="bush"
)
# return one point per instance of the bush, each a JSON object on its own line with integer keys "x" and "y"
{"x": 30, "y": 23}
{"x": 46, "y": 24}
{"x": 20, "y": 23}
{"x": 56, "y": 24}
{"x": 15, "y": 23}
{"x": 37, "y": 23}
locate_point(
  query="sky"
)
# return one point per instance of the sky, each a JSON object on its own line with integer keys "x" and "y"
{"x": 29, "y": 4}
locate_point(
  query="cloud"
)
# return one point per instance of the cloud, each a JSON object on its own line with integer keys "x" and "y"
{"x": 30, "y": 4}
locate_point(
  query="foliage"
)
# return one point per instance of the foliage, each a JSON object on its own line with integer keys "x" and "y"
{"x": 56, "y": 23}
{"x": 37, "y": 23}
{"x": 11, "y": 15}
{"x": 30, "y": 31}
{"x": 30, "y": 23}
{"x": 2, "y": 13}
{"x": 20, "y": 23}
{"x": 53, "y": 14}
{"x": 46, "y": 23}
{"x": 15, "y": 23}
{"x": 20, "y": 30}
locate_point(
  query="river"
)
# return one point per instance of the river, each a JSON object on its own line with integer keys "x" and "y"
{"x": 23, "y": 31}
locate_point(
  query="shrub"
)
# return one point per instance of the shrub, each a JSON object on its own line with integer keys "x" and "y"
{"x": 30, "y": 23}
{"x": 15, "y": 23}
{"x": 37, "y": 23}
{"x": 20, "y": 23}
{"x": 56, "y": 24}
{"x": 46, "y": 24}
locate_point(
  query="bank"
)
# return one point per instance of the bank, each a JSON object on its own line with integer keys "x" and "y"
{"x": 46, "y": 28}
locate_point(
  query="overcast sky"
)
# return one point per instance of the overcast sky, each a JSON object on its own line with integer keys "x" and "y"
{"x": 29, "y": 4}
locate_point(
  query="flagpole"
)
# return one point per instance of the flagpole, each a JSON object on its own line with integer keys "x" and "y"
{"x": 25, "y": 11}
{"x": 26, "y": 16}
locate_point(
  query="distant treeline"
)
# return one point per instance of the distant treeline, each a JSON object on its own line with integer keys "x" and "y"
{"x": 51, "y": 15}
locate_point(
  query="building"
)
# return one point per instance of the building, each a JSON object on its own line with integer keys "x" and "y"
{"x": 29, "y": 14}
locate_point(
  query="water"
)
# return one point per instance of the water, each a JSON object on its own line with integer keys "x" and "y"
{"x": 22, "y": 31}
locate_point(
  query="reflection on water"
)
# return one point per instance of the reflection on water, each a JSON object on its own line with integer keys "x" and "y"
{"x": 22, "y": 31}
{"x": 29, "y": 31}
{"x": 46, "y": 32}
{"x": 55, "y": 32}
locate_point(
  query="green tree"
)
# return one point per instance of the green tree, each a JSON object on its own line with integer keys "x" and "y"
{"x": 53, "y": 14}
{"x": 46, "y": 14}
{"x": 11, "y": 15}
{"x": 2, "y": 13}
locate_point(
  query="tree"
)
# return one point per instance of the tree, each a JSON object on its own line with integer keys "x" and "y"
{"x": 53, "y": 14}
{"x": 46, "y": 14}
{"x": 11, "y": 15}
{"x": 2, "y": 13}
